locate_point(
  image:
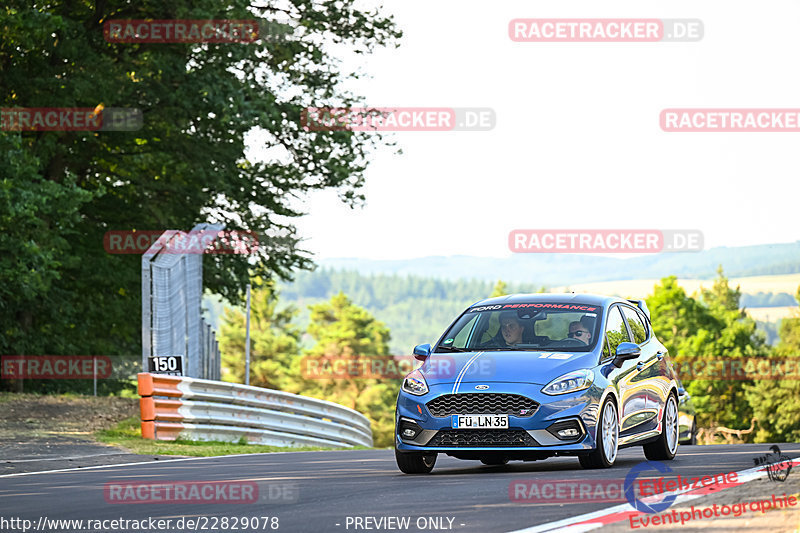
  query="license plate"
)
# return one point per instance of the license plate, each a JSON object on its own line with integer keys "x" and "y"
{"x": 479, "y": 421}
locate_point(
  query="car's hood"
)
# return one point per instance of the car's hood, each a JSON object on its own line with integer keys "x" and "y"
{"x": 510, "y": 367}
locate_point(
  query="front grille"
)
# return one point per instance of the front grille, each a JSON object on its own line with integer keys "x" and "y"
{"x": 482, "y": 404}
{"x": 477, "y": 438}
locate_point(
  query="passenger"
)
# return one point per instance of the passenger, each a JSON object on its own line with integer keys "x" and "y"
{"x": 579, "y": 332}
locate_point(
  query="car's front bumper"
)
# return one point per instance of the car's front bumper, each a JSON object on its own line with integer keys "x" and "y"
{"x": 534, "y": 432}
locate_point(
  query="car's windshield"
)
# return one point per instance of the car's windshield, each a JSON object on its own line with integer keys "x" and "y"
{"x": 536, "y": 326}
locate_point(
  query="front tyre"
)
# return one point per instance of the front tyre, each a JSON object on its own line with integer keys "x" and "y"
{"x": 605, "y": 453}
{"x": 666, "y": 446}
{"x": 415, "y": 462}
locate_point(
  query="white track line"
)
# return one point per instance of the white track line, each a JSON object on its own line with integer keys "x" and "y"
{"x": 62, "y": 458}
{"x": 577, "y": 524}
{"x": 164, "y": 461}
{"x": 103, "y": 466}
{"x": 159, "y": 461}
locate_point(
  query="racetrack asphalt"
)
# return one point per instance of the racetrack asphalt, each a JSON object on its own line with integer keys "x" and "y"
{"x": 328, "y": 490}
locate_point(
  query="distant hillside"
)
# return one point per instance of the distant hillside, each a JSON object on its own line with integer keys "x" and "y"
{"x": 757, "y": 291}
{"x": 416, "y": 309}
{"x": 569, "y": 269}
{"x": 418, "y": 298}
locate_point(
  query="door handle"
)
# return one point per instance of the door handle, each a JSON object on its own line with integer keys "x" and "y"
{"x": 660, "y": 355}
{"x": 640, "y": 365}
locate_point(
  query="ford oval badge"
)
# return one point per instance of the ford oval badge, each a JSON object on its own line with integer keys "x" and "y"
{"x": 481, "y": 387}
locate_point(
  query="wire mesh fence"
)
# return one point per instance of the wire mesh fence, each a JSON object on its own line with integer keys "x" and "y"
{"x": 172, "y": 325}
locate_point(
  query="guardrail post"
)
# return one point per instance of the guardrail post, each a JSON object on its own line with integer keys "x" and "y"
{"x": 147, "y": 412}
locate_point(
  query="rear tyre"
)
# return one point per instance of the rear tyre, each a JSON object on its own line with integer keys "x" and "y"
{"x": 692, "y": 440}
{"x": 607, "y": 439}
{"x": 666, "y": 446}
{"x": 415, "y": 462}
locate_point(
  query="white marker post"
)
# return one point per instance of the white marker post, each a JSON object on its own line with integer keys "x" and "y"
{"x": 247, "y": 341}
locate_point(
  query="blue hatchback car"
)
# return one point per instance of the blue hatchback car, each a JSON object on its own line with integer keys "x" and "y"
{"x": 531, "y": 376}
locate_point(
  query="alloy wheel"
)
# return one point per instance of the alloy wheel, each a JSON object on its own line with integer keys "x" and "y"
{"x": 610, "y": 432}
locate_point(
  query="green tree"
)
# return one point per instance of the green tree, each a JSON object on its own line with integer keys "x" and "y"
{"x": 38, "y": 219}
{"x": 500, "y": 289}
{"x": 344, "y": 331}
{"x": 675, "y": 315}
{"x": 776, "y": 403}
{"x": 274, "y": 341}
{"x": 704, "y": 329}
{"x": 188, "y": 163}
{"x": 732, "y": 334}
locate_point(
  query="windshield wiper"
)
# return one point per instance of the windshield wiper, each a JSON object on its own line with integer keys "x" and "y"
{"x": 511, "y": 349}
{"x": 452, "y": 349}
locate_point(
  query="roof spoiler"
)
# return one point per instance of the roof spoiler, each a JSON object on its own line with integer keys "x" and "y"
{"x": 641, "y": 304}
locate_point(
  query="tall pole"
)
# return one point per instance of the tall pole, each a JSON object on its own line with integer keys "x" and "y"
{"x": 247, "y": 341}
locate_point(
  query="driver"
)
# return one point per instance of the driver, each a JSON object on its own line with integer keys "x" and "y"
{"x": 579, "y": 332}
{"x": 511, "y": 328}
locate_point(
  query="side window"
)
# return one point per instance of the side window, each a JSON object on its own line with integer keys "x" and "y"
{"x": 646, "y": 323}
{"x": 635, "y": 323}
{"x": 616, "y": 332}
{"x": 492, "y": 329}
{"x": 462, "y": 336}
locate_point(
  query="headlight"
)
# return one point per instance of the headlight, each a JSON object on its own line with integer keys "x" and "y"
{"x": 415, "y": 384}
{"x": 571, "y": 382}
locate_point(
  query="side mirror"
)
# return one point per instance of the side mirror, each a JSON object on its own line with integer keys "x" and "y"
{"x": 626, "y": 351}
{"x": 422, "y": 351}
{"x": 683, "y": 395}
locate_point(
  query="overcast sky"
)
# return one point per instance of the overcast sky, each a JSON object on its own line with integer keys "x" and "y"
{"x": 577, "y": 142}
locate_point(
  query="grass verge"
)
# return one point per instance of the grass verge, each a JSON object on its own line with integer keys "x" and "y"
{"x": 128, "y": 434}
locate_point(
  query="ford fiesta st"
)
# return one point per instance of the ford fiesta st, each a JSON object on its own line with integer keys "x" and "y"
{"x": 531, "y": 376}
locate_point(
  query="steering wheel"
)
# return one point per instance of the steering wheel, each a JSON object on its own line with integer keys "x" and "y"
{"x": 574, "y": 341}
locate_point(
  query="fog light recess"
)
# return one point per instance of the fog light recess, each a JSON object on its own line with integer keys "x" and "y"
{"x": 569, "y": 430}
{"x": 408, "y": 429}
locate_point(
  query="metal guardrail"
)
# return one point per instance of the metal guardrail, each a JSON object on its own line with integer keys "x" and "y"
{"x": 202, "y": 409}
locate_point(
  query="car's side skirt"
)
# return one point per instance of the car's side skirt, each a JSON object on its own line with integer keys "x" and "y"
{"x": 635, "y": 439}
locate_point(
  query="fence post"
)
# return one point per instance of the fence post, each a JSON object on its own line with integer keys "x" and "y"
{"x": 247, "y": 341}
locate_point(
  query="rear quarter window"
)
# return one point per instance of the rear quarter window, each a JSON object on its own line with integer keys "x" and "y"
{"x": 615, "y": 333}
{"x": 638, "y": 328}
